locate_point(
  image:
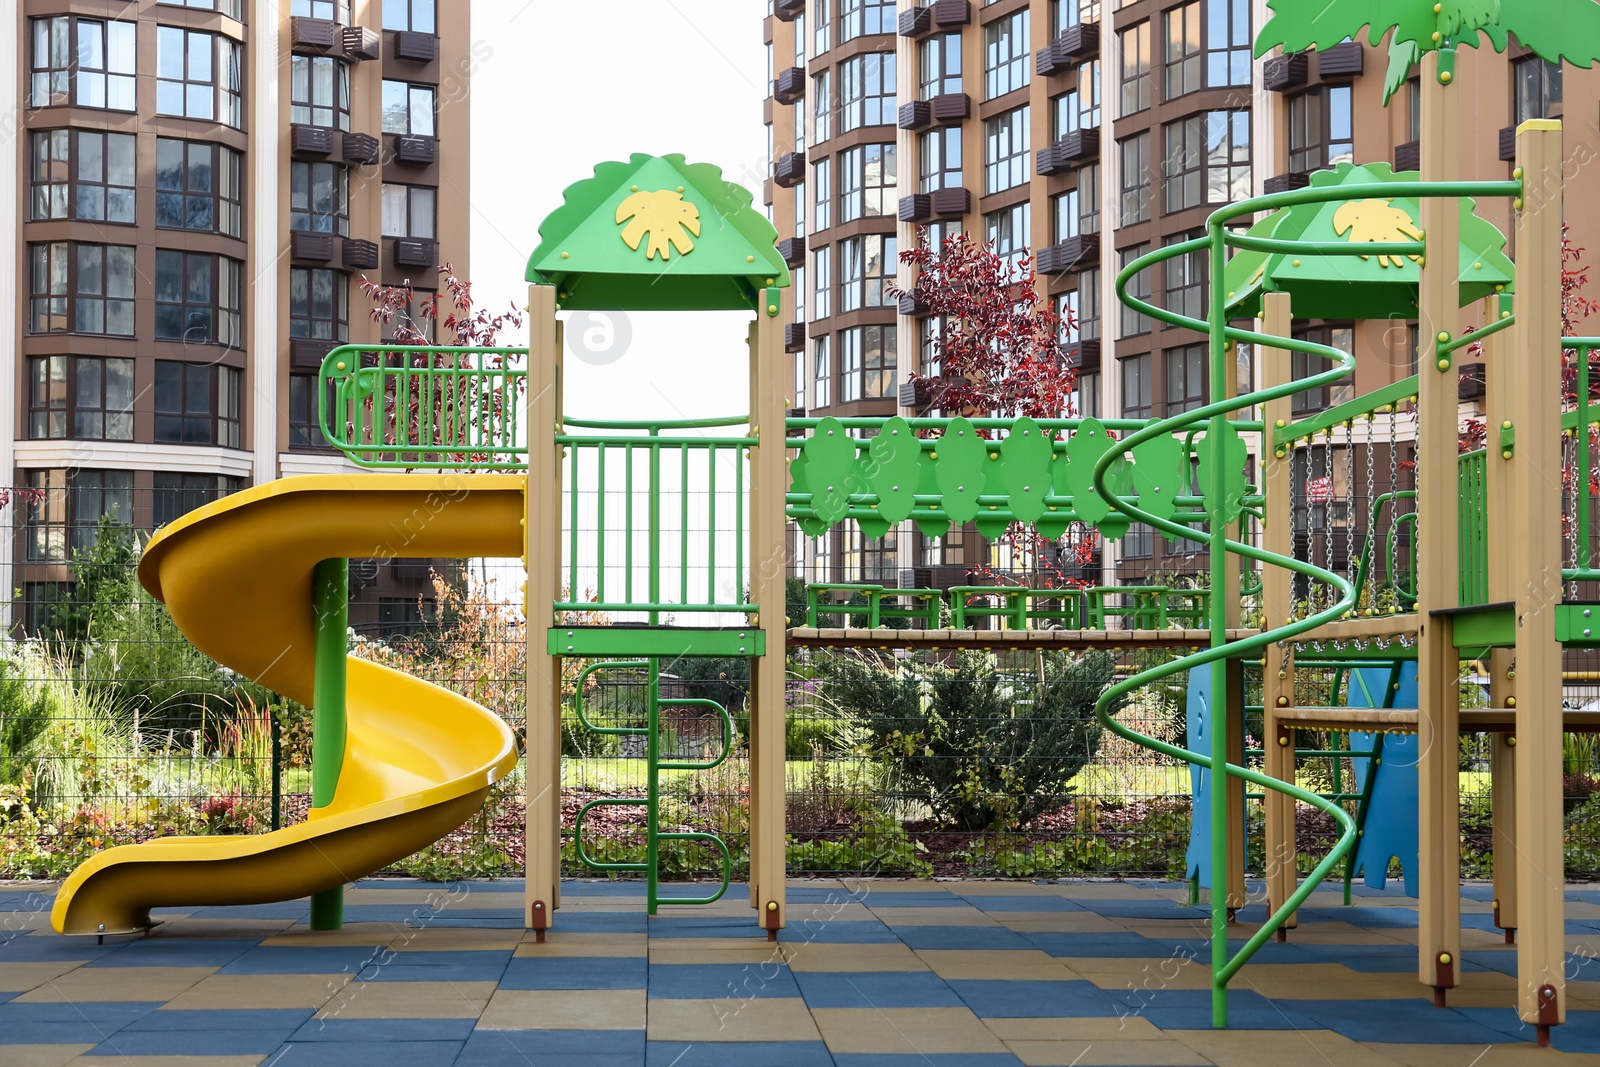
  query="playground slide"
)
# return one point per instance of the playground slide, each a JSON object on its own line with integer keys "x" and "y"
{"x": 419, "y": 760}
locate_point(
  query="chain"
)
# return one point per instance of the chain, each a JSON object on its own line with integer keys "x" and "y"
{"x": 1394, "y": 486}
{"x": 1366, "y": 509}
{"x": 1349, "y": 499}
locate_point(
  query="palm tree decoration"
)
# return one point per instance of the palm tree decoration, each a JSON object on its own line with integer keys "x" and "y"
{"x": 1556, "y": 30}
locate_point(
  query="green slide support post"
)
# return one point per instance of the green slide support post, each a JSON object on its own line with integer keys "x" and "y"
{"x": 330, "y": 583}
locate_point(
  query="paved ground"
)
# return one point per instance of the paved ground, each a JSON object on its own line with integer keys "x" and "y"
{"x": 869, "y": 974}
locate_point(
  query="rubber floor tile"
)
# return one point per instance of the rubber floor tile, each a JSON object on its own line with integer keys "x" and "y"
{"x": 564, "y": 1009}
{"x": 1093, "y": 945}
{"x": 1418, "y": 1021}
{"x": 945, "y": 937}
{"x": 1020, "y": 902}
{"x": 905, "y": 1030}
{"x": 880, "y": 989}
{"x": 409, "y": 1000}
{"x": 190, "y": 1043}
{"x": 384, "y": 1030}
{"x": 1002, "y": 999}
{"x": 933, "y": 1059}
{"x": 329, "y": 959}
{"x": 836, "y": 932}
{"x": 285, "y": 1019}
{"x": 723, "y": 1020}
{"x": 709, "y": 981}
{"x": 890, "y": 899}
{"x": 484, "y": 971}
{"x": 554, "y": 972}
{"x": 1190, "y": 1009}
{"x": 34, "y": 946}
{"x": 1579, "y": 1034}
{"x": 368, "y": 1054}
{"x": 623, "y": 922}
{"x": 737, "y": 1054}
{"x": 535, "y": 1045}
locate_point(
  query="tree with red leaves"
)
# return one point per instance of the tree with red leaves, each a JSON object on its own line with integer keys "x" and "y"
{"x": 472, "y": 326}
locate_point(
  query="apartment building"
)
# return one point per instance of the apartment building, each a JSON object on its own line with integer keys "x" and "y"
{"x": 1088, "y": 133}
{"x": 200, "y": 186}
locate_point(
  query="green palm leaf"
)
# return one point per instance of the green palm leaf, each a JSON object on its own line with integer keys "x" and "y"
{"x": 1557, "y": 30}
{"x": 1300, "y": 24}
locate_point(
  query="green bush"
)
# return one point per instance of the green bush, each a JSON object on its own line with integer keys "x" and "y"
{"x": 984, "y": 751}
{"x": 25, "y": 710}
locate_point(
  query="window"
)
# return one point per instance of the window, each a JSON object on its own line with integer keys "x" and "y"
{"x": 1181, "y": 187}
{"x": 1414, "y": 112}
{"x": 83, "y": 174}
{"x": 401, "y": 615}
{"x": 408, "y": 211}
{"x": 197, "y": 298}
{"x": 80, "y": 397}
{"x": 1136, "y": 386}
{"x": 866, "y": 363}
{"x": 1320, "y": 128}
{"x": 1089, "y": 198}
{"x": 799, "y": 400}
{"x": 1064, "y": 216}
{"x": 319, "y": 198}
{"x": 821, "y": 107}
{"x": 1184, "y": 49}
{"x": 1186, "y": 378}
{"x": 1065, "y": 14}
{"x": 234, "y": 9}
{"x": 1008, "y": 232}
{"x": 418, "y": 16}
{"x": 305, "y": 420}
{"x": 176, "y": 494}
{"x": 820, "y": 265}
{"x": 1139, "y": 285}
{"x": 318, "y": 305}
{"x": 822, "y": 181}
{"x": 858, "y": 18}
{"x": 197, "y": 187}
{"x": 1139, "y": 541}
{"x": 880, "y": 559}
{"x": 1007, "y": 160}
{"x": 408, "y": 108}
{"x": 74, "y": 501}
{"x": 81, "y": 288}
{"x": 1537, "y": 83}
{"x": 799, "y": 209}
{"x": 192, "y": 69}
{"x": 319, "y": 92}
{"x": 1067, "y": 313}
{"x": 86, "y": 62}
{"x": 1227, "y": 156}
{"x": 928, "y": 341}
{"x": 339, "y": 11}
{"x": 800, "y": 39}
{"x": 1089, "y": 95}
{"x": 821, "y": 560}
{"x": 1088, "y": 396}
{"x": 823, "y": 373}
{"x": 822, "y": 38}
{"x": 1186, "y": 279}
{"x": 867, "y": 182}
{"x": 940, "y": 72}
{"x": 1304, "y": 365}
{"x": 941, "y": 160}
{"x": 196, "y": 404}
{"x": 1135, "y": 157}
{"x": 1227, "y": 43}
{"x": 866, "y": 270}
{"x": 1007, "y": 60}
{"x": 867, "y": 92}
{"x": 1134, "y": 47}
{"x": 1089, "y": 304}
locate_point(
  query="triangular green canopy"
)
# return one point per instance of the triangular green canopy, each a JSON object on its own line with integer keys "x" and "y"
{"x": 657, "y": 234}
{"x": 1351, "y": 287}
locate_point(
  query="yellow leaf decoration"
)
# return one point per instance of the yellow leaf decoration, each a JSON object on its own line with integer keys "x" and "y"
{"x": 1375, "y": 220}
{"x": 666, "y": 216}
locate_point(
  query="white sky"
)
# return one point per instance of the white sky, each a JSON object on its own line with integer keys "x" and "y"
{"x": 561, "y": 87}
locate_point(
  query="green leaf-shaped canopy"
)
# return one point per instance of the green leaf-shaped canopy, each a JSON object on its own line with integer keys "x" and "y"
{"x": 1348, "y": 287}
{"x": 657, "y": 234}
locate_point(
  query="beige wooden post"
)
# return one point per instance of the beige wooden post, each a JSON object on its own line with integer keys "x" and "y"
{"x": 1436, "y": 553}
{"x": 1534, "y": 472}
{"x": 543, "y": 561}
{"x": 1498, "y": 374}
{"x": 1277, "y": 602}
{"x": 768, "y": 555}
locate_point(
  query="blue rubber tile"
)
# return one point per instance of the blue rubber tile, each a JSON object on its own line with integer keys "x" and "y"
{"x": 1373, "y": 918}
{"x": 1579, "y": 1034}
{"x": 710, "y": 981}
{"x": 1023, "y": 902}
{"x": 288, "y": 910}
{"x": 171, "y": 952}
{"x": 384, "y": 1030}
{"x": 1016, "y": 999}
{"x": 876, "y": 989}
{"x": 509, "y": 921}
{"x": 736, "y": 1054}
{"x": 609, "y": 922}
{"x": 485, "y": 885}
{"x": 537, "y": 1044}
{"x": 484, "y": 966}
{"x": 1190, "y": 1009}
{"x": 286, "y": 1020}
{"x": 8, "y": 996}
{"x": 1380, "y": 1020}
{"x": 883, "y": 898}
{"x": 311, "y": 959}
{"x": 1478, "y": 892}
{"x": 367, "y": 1054}
{"x": 421, "y": 914}
{"x": 1145, "y": 909}
{"x": 1129, "y": 945}
{"x": 34, "y": 947}
{"x": 937, "y": 1059}
{"x": 837, "y": 932}
{"x": 542, "y": 972}
{"x": 946, "y": 937}
{"x": 734, "y": 928}
{"x": 605, "y": 889}
{"x": 189, "y": 1043}
{"x": 821, "y": 895}
{"x": 86, "y": 1023}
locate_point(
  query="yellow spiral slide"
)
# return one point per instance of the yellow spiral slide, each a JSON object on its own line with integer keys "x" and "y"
{"x": 418, "y": 760}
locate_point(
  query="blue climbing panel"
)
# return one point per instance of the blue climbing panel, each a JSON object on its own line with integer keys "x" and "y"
{"x": 1197, "y": 861}
{"x": 1390, "y": 832}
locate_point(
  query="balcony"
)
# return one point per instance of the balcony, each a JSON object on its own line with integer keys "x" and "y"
{"x": 360, "y": 148}
{"x": 411, "y": 252}
{"x": 790, "y": 170}
{"x": 314, "y": 37}
{"x": 789, "y": 85}
{"x": 915, "y": 115}
{"x": 359, "y": 255}
{"x": 311, "y": 247}
{"x": 1073, "y": 150}
{"x": 1083, "y": 356}
{"x": 1343, "y": 60}
{"x": 1047, "y": 62}
{"x": 951, "y": 107}
{"x": 361, "y": 44}
{"x": 415, "y": 47}
{"x": 417, "y": 151}
{"x": 951, "y": 203}
{"x": 308, "y": 352}
{"x": 915, "y": 22}
{"x": 917, "y": 394}
{"x": 1079, "y": 43}
{"x": 1408, "y": 156}
{"x": 1073, "y": 254}
{"x": 918, "y": 207}
{"x": 1282, "y": 73}
{"x": 950, "y": 14}
{"x": 786, "y": 10}
{"x": 1471, "y": 385}
{"x": 911, "y": 304}
{"x": 310, "y": 140}
{"x": 794, "y": 336}
{"x": 1283, "y": 183}
{"x": 793, "y": 250}
{"x": 1508, "y": 144}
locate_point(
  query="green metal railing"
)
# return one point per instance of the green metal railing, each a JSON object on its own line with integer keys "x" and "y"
{"x": 1577, "y": 422}
{"x": 1216, "y": 242}
{"x": 1472, "y": 512}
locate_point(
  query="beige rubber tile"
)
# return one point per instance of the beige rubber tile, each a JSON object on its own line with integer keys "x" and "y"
{"x": 1329, "y": 981}
{"x": 1338, "y": 933}
{"x": 1030, "y": 964}
{"x": 1512, "y": 1054}
{"x": 21, "y": 977}
{"x": 905, "y": 1030}
{"x": 1582, "y": 909}
{"x": 829, "y": 957}
{"x": 575, "y": 937}
{"x": 564, "y": 1009}
{"x": 117, "y": 984}
{"x": 455, "y": 939}
{"x": 42, "y": 1055}
{"x": 952, "y": 916}
{"x": 190, "y": 928}
{"x": 715, "y": 950}
{"x": 1120, "y": 973}
{"x": 409, "y": 1000}
{"x": 830, "y": 911}
{"x": 729, "y": 1019}
{"x": 262, "y": 991}
{"x": 1115, "y": 891}
{"x": 1276, "y": 1048}
{"x": 1002, "y": 889}
{"x": 1057, "y": 922}
{"x": 1154, "y": 1053}
{"x": 168, "y": 1061}
{"x": 1126, "y": 1028}
{"x": 352, "y": 934}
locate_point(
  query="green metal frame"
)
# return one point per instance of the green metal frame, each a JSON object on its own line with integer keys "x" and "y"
{"x": 330, "y": 590}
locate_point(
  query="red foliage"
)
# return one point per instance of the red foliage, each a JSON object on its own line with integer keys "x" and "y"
{"x": 472, "y": 326}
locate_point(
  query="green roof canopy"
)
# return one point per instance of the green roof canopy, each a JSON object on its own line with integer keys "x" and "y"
{"x": 1350, "y": 287}
{"x": 657, "y": 234}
